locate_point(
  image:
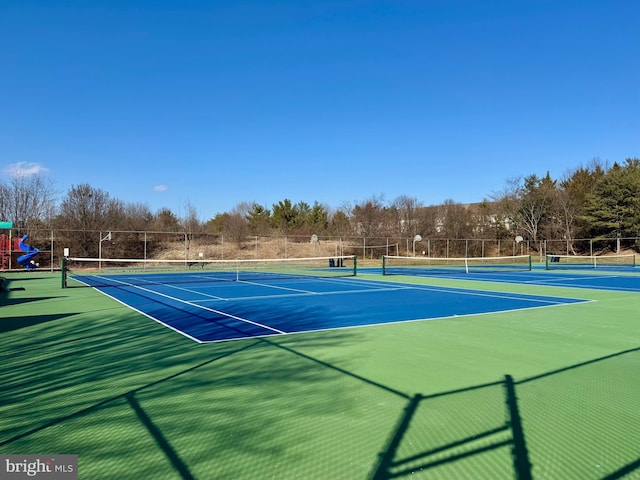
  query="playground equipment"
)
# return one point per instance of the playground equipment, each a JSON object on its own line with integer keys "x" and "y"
{"x": 5, "y": 252}
{"x": 10, "y": 245}
{"x": 5, "y": 246}
{"x": 26, "y": 260}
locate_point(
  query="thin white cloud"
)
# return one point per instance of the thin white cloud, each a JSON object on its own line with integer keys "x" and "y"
{"x": 160, "y": 188}
{"x": 25, "y": 169}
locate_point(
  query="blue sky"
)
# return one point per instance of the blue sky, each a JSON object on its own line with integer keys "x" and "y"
{"x": 172, "y": 103}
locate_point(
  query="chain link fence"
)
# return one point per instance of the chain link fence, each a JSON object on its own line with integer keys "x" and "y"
{"x": 184, "y": 245}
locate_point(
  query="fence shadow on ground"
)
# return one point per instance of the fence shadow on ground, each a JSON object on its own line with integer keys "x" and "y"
{"x": 129, "y": 396}
{"x": 447, "y": 448}
{"x": 163, "y": 443}
{"x": 485, "y": 431}
{"x": 430, "y": 435}
{"x": 9, "y": 324}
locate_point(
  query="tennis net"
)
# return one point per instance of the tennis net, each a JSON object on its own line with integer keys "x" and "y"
{"x": 553, "y": 262}
{"x": 96, "y": 272}
{"x": 394, "y": 265}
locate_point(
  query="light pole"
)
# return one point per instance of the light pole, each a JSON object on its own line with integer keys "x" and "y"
{"x": 417, "y": 238}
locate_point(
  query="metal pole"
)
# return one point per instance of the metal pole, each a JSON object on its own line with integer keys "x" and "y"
{"x": 52, "y": 250}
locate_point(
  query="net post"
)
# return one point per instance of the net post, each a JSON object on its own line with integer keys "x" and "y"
{"x": 530, "y": 266}
{"x": 384, "y": 257}
{"x": 546, "y": 262}
{"x": 355, "y": 265}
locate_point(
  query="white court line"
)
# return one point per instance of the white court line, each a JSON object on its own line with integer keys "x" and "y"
{"x": 195, "y": 292}
{"x": 216, "y": 297}
{"x": 370, "y": 287}
{"x": 219, "y": 312}
{"x": 310, "y": 294}
{"x": 480, "y": 293}
{"x": 278, "y": 287}
{"x": 581, "y": 277}
{"x": 522, "y": 297}
{"x": 331, "y": 280}
{"x": 334, "y": 280}
{"x": 381, "y": 324}
{"x": 392, "y": 286}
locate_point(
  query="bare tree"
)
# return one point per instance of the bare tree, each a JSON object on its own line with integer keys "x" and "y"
{"x": 456, "y": 221}
{"x": 491, "y": 222}
{"x": 233, "y": 225}
{"x": 137, "y": 217}
{"x": 408, "y": 209}
{"x": 189, "y": 220}
{"x": 27, "y": 200}
{"x": 339, "y": 224}
{"x": 236, "y": 225}
{"x": 85, "y": 212}
{"x": 428, "y": 221}
{"x": 527, "y": 203}
{"x": 368, "y": 217}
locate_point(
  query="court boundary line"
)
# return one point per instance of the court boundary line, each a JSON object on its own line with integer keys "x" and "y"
{"x": 514, "y": 278}
{"x": 213, "y": 310}
{"x": 453, "y": 290}
{"x": 400, "y": 286}
{"x": 184, "y": 334}
{"x": 395, "y": 322}
{"x": 301, "y": 294}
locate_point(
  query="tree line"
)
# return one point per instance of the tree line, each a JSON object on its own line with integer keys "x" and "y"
{"x": 592, "y": 201}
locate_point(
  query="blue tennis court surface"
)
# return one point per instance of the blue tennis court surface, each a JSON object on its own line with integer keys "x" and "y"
{"x": 620, "y": 279}
{"x": 219, "y": 311}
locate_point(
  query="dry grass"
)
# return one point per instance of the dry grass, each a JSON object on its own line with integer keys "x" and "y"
{"x": 263, "y": 247}
{"x": 272, "y": 248}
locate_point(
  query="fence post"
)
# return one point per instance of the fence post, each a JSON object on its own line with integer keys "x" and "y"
{"x": 63, "y": 268}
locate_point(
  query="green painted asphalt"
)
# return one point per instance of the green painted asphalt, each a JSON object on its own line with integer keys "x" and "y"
{"x": 84, "y": 374}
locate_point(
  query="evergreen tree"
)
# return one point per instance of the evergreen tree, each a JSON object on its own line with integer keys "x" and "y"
{"x": 284, "y": 215}
{"x": 613, "y": 209}
{"x": 318, "y": 219}
{"x": 259, "y": 219}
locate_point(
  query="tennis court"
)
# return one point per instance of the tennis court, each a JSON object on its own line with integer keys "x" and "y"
{"x": 623, "y": 280}
{"x": 218, "y": 310}
{"x": 324, "y": 373}
{"x": 620, "y": 274}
